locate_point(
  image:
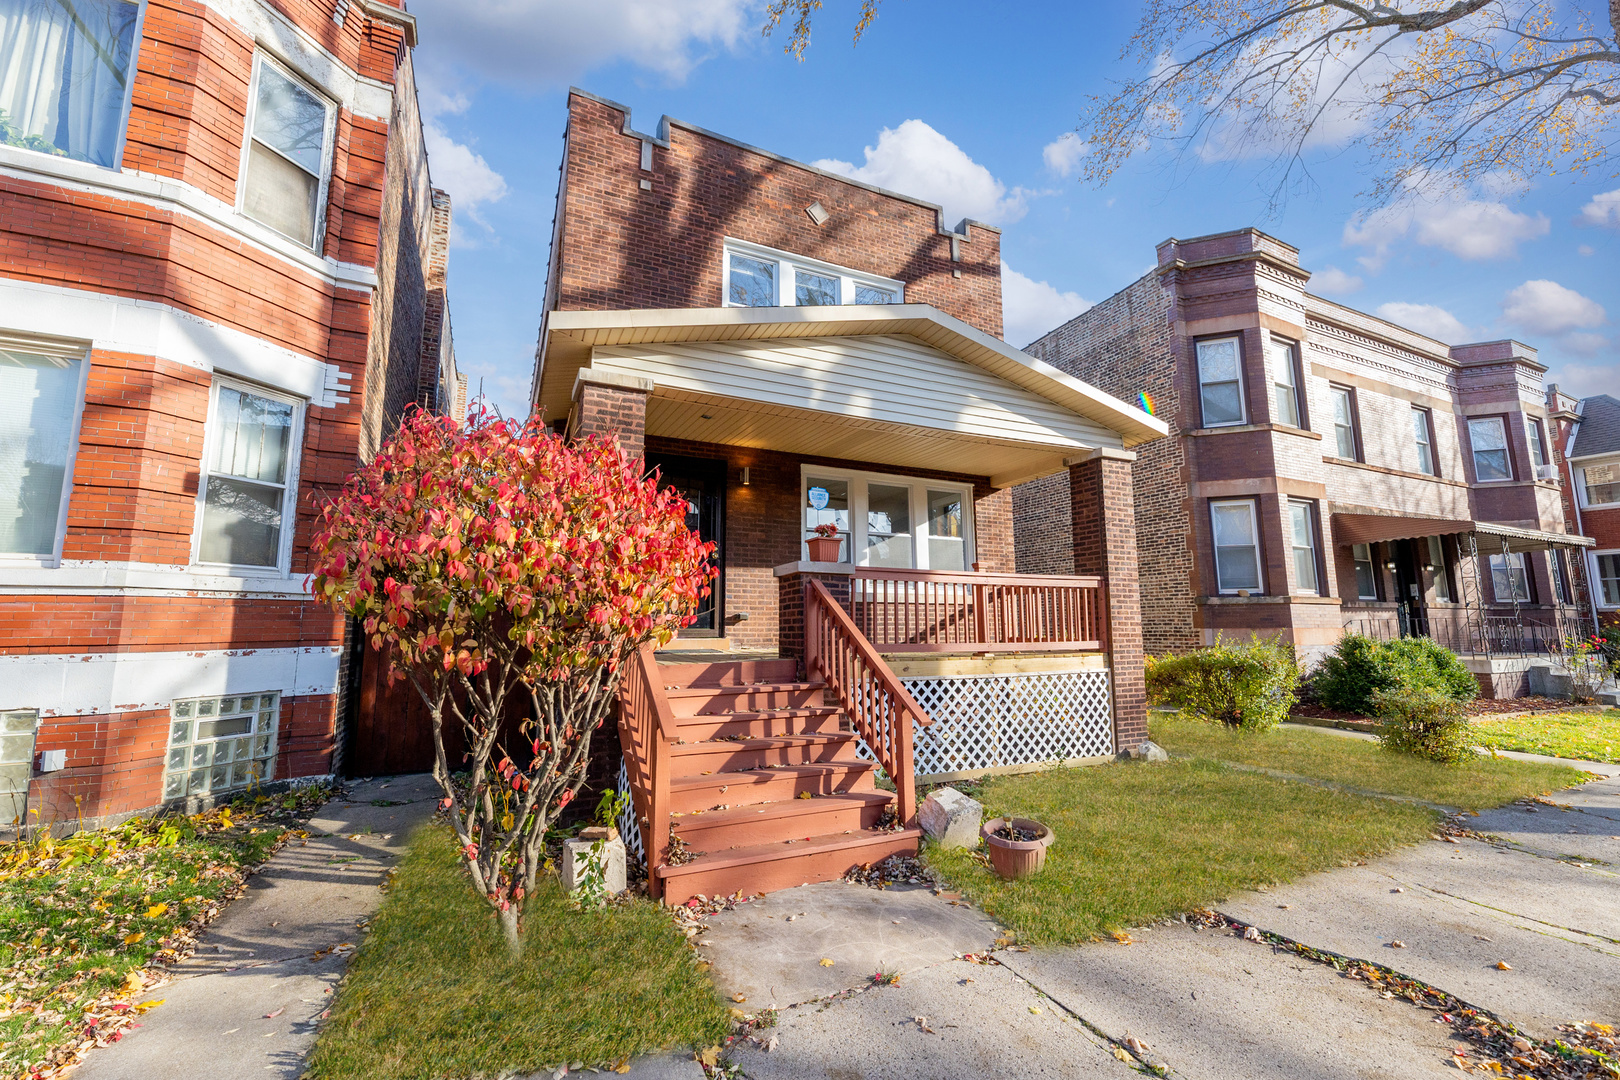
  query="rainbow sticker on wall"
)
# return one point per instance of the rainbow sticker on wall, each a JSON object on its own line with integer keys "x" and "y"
{"x": 1145, "y": 400}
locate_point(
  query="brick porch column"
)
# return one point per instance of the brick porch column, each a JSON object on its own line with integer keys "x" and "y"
{"x": 607, "y": 403}
{"x": 1103, "y": 512}
{"x": 792, "y": 579}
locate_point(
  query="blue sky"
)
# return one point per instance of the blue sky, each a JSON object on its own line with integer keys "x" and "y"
{"x": 974, "y": 106}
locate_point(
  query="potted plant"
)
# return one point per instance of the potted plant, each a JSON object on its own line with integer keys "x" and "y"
{"x": 825, "y": 544}
{"x": 1017, "y": 845}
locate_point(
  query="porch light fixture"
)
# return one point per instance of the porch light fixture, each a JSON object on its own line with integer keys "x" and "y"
{"x": 1428, "y": 568}
{"x": 1390, "y": 566}
{"x": 745, "y": 476}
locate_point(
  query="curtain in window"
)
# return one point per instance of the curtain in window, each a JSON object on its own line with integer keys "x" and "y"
{"x": 36, "y": 438}
{"x": 64, "y": 68}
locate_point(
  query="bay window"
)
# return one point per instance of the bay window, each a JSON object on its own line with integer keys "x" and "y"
{"x": 1537, "y": 438}
{"x": 288, "y": 154}
{"x": 1285, "y": 383}
{"x": 42, "y": 384}
{"x": 890, "y": 521}
{"x": 1237, "y": 545}
{"x": 1220, "y": 383}
{"x": 249, "y": 479}
{"x": 758, "y": 276}
{"x": 1600, "y": 484}
{"x": 1423, "y": 434}
{"x": 1487, "y": 438}
{"x": 66, "y": 71}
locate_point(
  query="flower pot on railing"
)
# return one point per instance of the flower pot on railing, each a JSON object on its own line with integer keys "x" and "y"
{"x": 1017, "y": 845}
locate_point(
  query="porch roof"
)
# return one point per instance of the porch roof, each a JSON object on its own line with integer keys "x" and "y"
{"x": 572, "y": 338}
{"x": 1353, "y": 528}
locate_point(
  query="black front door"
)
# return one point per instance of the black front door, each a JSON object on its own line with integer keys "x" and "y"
{"x": 702, "y": 482}
{"x": 1409, "y": 586}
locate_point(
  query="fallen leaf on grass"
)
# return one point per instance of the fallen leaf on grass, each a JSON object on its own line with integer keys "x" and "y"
{"x": 131, "y": 939}
{"x": 156, "y": 910}
{"x": 825, "y": 962}
{"x": 148, "y": 1006}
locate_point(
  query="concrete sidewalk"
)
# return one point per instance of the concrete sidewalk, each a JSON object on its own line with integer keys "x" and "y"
{"x": 249, "y": 1001}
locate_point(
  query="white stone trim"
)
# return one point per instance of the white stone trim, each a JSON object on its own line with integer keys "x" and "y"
{"x": 362, "y": 96}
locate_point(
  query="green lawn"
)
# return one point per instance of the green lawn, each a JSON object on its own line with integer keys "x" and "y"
{"x": 434, "y": 991}
{"x": 1139, "y": 842}
{"x": 1363, "y": 764}
{"x": 1581, "y": 736}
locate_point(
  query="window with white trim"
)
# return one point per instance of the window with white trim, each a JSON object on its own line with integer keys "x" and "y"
{"x": 66, "y": 75}
{"x": 288, "y": 158}
{"x": 1366, "y": 571}
{"x": 1608, "y": 578}
{"x": 1237, "y": 545}
{"x": 1423, "y": 435}
{"x": 1600, "y": 484}
{"x": 890, "y": 521}
{"x": 1302, "y": 545}
{"x": 1346, "y": 440}
{"x": 1487, "y": 438}
{"x": 1220, "y": 383}
{"x": 1537, "y": 438}
{"x": 758, "y": 276}
{"x": 219, "y": 744}
{"x": 1510, "y": 578}
{"x": 1285, "y": 382}
{"x": 42, "y": 385}
{"x": 250, "y": 478}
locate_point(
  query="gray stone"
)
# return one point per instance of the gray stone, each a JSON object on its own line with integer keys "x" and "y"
{"x": 1148, "y": 751}
{"x": 613, "y": 862}
{"x": 951, "y": 819}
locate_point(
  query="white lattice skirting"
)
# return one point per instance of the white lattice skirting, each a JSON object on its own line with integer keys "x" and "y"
{"x": 629, "y": 831}
{"x": 985, "y": 722}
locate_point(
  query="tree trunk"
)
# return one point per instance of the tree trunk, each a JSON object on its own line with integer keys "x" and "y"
{"x": 509, "y": 927}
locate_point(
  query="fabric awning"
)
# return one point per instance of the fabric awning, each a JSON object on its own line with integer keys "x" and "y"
{"x": 1379, "y": 528}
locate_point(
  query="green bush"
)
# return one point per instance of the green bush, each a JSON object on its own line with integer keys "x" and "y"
{"x": 1360, "y": 666}
{"x": 1247, "y": 685}
{"x": 1425, "y": 723}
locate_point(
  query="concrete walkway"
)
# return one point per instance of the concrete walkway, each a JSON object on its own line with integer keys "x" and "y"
{"x": 248, "y": 1002}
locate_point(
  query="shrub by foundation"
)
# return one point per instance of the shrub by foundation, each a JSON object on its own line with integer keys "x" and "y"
{"x": 1359, "y": 667}
{"x": 1242, "y": 685}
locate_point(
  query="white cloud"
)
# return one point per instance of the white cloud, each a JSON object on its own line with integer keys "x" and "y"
{"x": 1604, "y": 209}
{"x": 1064, "y": 153}
{"x": 1586, "y": 249}
{"x": 464, "y": 173}
{"x": 1429, "y": 319}
{"x": 554, "y": 42}
{"x": 1470, "y": 229}
{"x": 1030, "y": 308}
{"x": 1546, "y": 307}
{"x": 1330, "y": 279}
{"x": 1587, "y": 379}
{"x": 914, "y": 159}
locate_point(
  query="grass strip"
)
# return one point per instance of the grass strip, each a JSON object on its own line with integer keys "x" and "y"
{"x": 435, "y": 992}
{"x": 1364, "y": 765}
{"x": 1579, "y": 736}
{"x": 1137, "y": 843}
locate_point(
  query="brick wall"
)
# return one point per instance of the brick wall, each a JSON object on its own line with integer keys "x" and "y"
{"x": 1105, "y": 543}
{"x": 616, "y": 412}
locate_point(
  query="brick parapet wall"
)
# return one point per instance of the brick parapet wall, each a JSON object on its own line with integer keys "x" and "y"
{"x": 1104, "y": 531}
{"x": 619, "y": 413}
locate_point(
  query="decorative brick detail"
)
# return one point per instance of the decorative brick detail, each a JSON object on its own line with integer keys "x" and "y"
{"x": 1104, "y": 531}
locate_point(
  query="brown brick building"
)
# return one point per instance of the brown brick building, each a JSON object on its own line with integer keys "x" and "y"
{"x": 1329, "y": 470}
{"x": 1588, "y": 450}
{"x": 222, "y": 278}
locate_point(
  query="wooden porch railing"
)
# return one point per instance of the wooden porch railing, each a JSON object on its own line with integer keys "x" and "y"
{"x": 870, "y": 693}
{"x": 646, "y": 732}
{"x": 931, "y": 611}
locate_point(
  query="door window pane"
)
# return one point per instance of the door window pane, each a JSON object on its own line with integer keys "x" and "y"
{"x": 1609, "y": 579}
{"x": 1284, "y": 390}
{"x": 64, "y": 75}
{"x": 888, "y": 525}
{"x": 1344, "y": 423}
{"x": 1425, "y": 446}
{"x": 826, "y": 502}
{"x": 245, "y": 492}
{"x": 37, "y": 437}
{"x": 287, "y": 156}
{"x": 1509, "y": 579}
{"x": 1442, "y": 578}
{"x": 1219, "y": 382}
{"x": 947, "y": 543}
{"x": 1303, "y": 535}
{"x": 1366, "y": 572}
{"x": 815, "y": 290}
{"x": 753, "y": 282}
{"x": 1488, "y": 438}
{"x": 1237, "y": 548}
{"x": 1601, "y": 484}
{"x": 871, "y": 294}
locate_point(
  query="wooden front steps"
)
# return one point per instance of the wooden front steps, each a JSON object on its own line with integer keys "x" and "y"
{"x": 752, "y": 742}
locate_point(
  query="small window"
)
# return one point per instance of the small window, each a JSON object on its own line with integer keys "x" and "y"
{"x": 220, "y": 744}
{"x": 1608, "y": 575}
{"x": 763, "y": 277}
{"x": 1509, "y": 578}
{"x": 248, "y": 485}
{"x": 815, "y": 290}
{"x": 43, "y": 388}
{"x": 1600, "y": 484}
{"x": 1220, "y": 382}
{"x": 17, "y": 731}
{"x": 1237, "y": 546}
{"x": 1488, "y": 439}
{"x": 753, "y": 282}
{"x": 1437, "y": 566}
{"x": 1302, "y": 543}
{"x": 1423, "y": 433}
{"x": 1538, "y": 443}
{"x": 1366, "y": 572}
{"x": 1345, "y": 443}
{"x": 65, "y": 76}
{"x": 1285, "y": 384}
{"x": 871, "y": 294}
{"x": 287, "y": 155}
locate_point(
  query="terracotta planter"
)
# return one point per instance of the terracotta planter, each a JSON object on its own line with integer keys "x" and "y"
{"x": 1014, "y": 859}
{"x": 824, "y": 548}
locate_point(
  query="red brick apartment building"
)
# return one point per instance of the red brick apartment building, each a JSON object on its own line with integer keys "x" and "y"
{"x": 1329, "y": 470}
{"x": 793, "y": 349}
{"x": 222, "y": 274}
{"x": 1589, "y": 447}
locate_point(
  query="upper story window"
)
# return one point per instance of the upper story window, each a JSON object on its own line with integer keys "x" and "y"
{"x": 1608, "y": 578}
{"x": 1538, "y": 443}
{"x": 764, "y": 277}
{"x": 251, "y": 479}
{"x": 288, "y": 156}
{"x": 1220, "y": 382}
{"x": 42, "y": 385}
{"x": 1237, "y": 545}
{"x": 1285, "y": 383}
{"x": 1423, "y": 434}
{"x": 891, "y": 521}
{"x": 66, "y": 70}
{"x": 1346, "y": 439}
{"x": 1487, "y": 437}
{"x": 1600, "y": 484}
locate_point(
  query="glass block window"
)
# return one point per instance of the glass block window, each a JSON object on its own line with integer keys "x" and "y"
{"x": 16, "y": 763}
{"x": 220, "y": 744}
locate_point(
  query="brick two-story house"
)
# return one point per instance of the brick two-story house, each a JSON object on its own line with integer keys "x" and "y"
{"x": 1330, "y": 470}
{"x": 1589, "y": 447}
{"x": 222, "y": 275}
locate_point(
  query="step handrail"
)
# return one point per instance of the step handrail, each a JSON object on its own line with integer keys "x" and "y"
{"x": 872, "y": 696}
{"x": 646, "y": 732}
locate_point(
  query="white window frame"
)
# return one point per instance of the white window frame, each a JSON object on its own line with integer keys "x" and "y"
{"x": 1442, "y": 570}
{"x": 1372, "y": 568}
{"x": 787, "y": 264}
{"x": 1535, "y": 433}
{"x": 1354, "y": 425}
{"x": 1506, "y": 449}
{"x": 1312, "y": 542}
{"x": 1243, "y": 391}
{"x": 289, "y": 501}
{"x": 1426, "y": 415}
{"x": 328, "y": 147}
{"x": 1285, "y": 356}
{"x": 1581, "y": 487}
{"x": 1594, "y": 567}
{"x": 920, "y": 487}
{"x": 1253, "y": 506}
{"x": 64, "y": 350}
